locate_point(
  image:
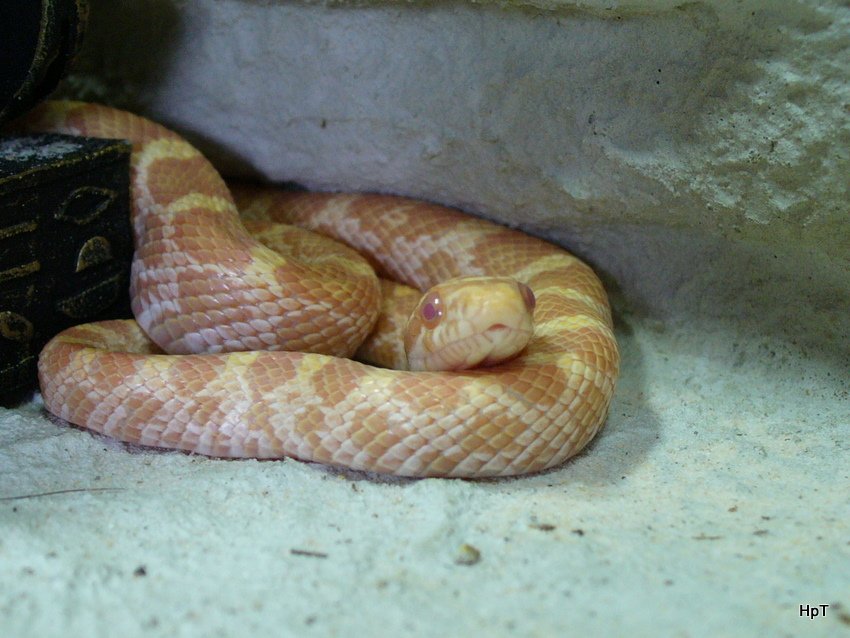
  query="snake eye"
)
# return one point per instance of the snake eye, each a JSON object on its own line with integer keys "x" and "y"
{"x": 431, "y": 310}
{"x": 527, "y": 296}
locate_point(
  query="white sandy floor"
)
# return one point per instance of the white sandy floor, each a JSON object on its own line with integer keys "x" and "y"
{"x": 714, "y": 503}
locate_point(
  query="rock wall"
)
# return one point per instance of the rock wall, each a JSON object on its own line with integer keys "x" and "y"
{"x": 696, "y": 153}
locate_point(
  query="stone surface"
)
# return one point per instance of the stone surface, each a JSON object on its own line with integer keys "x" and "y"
{"x": 695, "y": 153}
{"x": 730, "y": 120}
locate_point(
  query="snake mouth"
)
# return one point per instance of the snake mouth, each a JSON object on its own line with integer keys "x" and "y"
{"x": 479, "y": 349}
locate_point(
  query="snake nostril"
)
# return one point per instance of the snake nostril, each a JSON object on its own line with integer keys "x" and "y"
{"x": 497, "y": 327}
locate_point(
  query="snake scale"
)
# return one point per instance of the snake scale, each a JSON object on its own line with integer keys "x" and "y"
{"x": 227, "y": 310}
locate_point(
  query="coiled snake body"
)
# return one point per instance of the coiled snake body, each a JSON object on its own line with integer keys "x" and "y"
{"x": 205, "y": 290}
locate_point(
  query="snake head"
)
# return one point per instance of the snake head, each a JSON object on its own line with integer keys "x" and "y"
{"x": 469, "y": 322}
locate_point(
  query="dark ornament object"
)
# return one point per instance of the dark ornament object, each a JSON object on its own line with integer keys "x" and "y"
{"x": 65, "y": 244}
{"x": 38, "y": 40}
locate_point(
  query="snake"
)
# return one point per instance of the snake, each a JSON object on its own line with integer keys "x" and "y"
{"x": 239, "y": 351}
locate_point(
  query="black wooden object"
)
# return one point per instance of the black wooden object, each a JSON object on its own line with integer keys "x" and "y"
{"x": 38, "y": 41}
{"x": 65, "y": 243}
